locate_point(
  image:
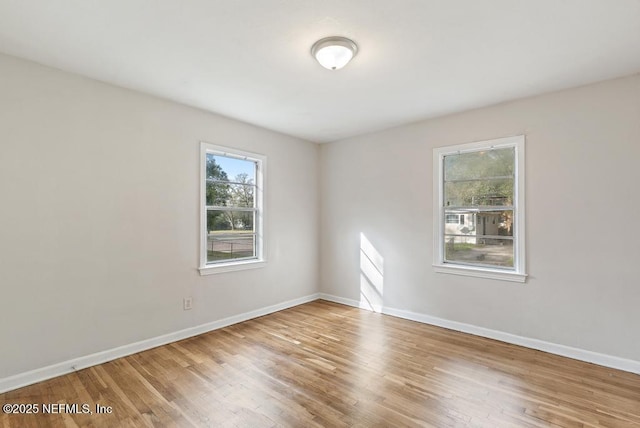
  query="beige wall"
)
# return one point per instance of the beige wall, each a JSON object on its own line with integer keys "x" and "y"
{"x": 582, "y": 166}
{"x": 99, "y": 218}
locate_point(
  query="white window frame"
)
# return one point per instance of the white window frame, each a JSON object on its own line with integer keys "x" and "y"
{"x": 518, "y": 272}
{"x": 261, "y": 168}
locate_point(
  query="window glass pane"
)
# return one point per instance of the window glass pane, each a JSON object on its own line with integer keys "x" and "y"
{"x": 225, "y": 194}
{"x": 478, "y": 193}
{"x": 478, "y": 224}
{"x": 219, "y": 221}
{"x": 222, "y": 248}
{"x": 482, "y": 164}
{"x": 230, "y": 169}
{"x": 479, "y": 251}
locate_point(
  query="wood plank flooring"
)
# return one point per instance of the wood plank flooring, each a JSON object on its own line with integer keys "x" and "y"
{"x": 326, "y": 365}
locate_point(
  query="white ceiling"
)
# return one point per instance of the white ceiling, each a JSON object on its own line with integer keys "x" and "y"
{"x": 250, "y": 60}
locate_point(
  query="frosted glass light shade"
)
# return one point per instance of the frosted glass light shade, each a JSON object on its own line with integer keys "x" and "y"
{"x": 334, "y": 53}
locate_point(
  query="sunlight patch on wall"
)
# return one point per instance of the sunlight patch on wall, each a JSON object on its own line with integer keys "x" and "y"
{"x": 371, "y": 276}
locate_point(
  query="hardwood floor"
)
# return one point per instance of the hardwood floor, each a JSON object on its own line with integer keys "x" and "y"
{"x": 324, "y": 364}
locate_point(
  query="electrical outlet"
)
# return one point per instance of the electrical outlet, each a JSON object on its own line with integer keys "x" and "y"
{"x": 187, "y": 303}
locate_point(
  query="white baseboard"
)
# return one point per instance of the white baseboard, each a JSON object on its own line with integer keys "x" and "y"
{"x": 344, "y": 301}
{"x": 38, "y": 375}
{"x": 553, "y": 348}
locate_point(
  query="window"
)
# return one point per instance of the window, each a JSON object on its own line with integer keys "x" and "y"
{"x": 232, "y": 214}
{"x": 452, "y": 218}
{"x": 482, "y": 183}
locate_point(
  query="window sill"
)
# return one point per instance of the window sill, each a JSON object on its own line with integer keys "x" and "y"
{"x": 231, "y": 267}
{"x": 481, "y": 272}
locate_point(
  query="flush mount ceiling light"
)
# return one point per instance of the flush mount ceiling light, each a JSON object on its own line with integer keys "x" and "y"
{"x": 334, "y": 52}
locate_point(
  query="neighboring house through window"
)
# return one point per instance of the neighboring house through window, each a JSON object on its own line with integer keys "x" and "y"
{"x": 232, "y": 213}
{"x": 479, "y": 209}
